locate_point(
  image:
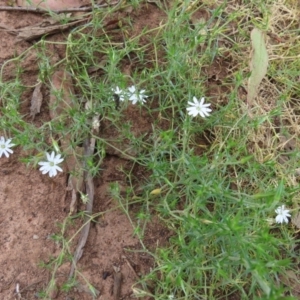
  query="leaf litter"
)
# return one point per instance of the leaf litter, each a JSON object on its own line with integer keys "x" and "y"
{"x": 257, "y": 82}
{"x": 258, "y": 64}
{"x": 46, "y": 205}
{"x": 36, "y": 100}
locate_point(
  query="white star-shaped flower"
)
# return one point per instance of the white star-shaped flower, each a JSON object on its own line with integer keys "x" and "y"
{"x": 198, "y": 107}
{"x": 136, "y": 96}
{"x": 120, "y": 93}
{"x": 5, "y": 147}
{"x": 51, "y": 165}
{"x": 282, "y": 215}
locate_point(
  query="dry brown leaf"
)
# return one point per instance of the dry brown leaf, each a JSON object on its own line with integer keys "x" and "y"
{"x": 61, "y": 94}
{"x": 296, "y": 220}
{"x": 74, "y": 165}
{"x": 288, "y": 143}
{"x": 36, "y": 101}
{"x": 75, "y": 181}
{"x": 53, "y": 292}
{"x": 258, "y": 64}
{"x": 297, "y": 172}
{"x": 59, "y": 105}
{"x": 291, "y": 279}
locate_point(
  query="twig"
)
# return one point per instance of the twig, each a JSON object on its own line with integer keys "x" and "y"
{"x": 25, "y": 288}
{"x": 89, "y": 146}
{"x": 131, "y": 267}
{"x": 34, "y": 32}
{"x": 117, "y": 285}
{"x": 10, "y": 30}
{"x": 135, "y": 275}
{"x": 67, "y": 10}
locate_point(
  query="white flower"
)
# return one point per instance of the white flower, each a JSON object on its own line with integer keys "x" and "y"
{"x": 5, "y": 147}
{"x": 120, "y": 93}
{"x": 198, "y": 107}
{"x": 282, "y": 215}
{"x": 51, "y": 165}
{"x": 136, "y": 96}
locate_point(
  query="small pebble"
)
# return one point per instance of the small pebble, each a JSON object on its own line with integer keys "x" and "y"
{"x": 35, "y": 237}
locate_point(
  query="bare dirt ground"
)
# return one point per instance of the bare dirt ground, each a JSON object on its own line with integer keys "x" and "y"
{"x": 32, "y": 205}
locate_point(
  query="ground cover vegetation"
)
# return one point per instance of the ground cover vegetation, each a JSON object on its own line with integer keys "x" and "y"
{"x": 214, "y": 178}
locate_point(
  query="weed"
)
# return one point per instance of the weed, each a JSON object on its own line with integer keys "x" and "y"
{"x": 218, "y": 180}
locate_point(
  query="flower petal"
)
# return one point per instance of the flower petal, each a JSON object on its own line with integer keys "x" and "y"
{"x": 58, "y": 168}
{"x": 45, "y": 171}
{"x": 52, "y": 156}
{"x": 278, "y": 219}
{"x": 201, "y": 113}
{"x": 52, "y": 172}
{"x": 131, "y": 89}
{"x": 48, "y": 156}
{"x": 45, "y": 167}
{"x": 58, "y": 159}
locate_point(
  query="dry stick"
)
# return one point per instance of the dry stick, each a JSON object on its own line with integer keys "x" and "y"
{"x": 89, "y": 146}
{"x": 34, "y": 32}
{"x": 131, "y": 267}
{"x": 10, "y": 30}
{"x": 134, "y": 273}
{"x": 117, "y": 285}
{"x": 24, "y": 289}
{"x": 67, "y": 10}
